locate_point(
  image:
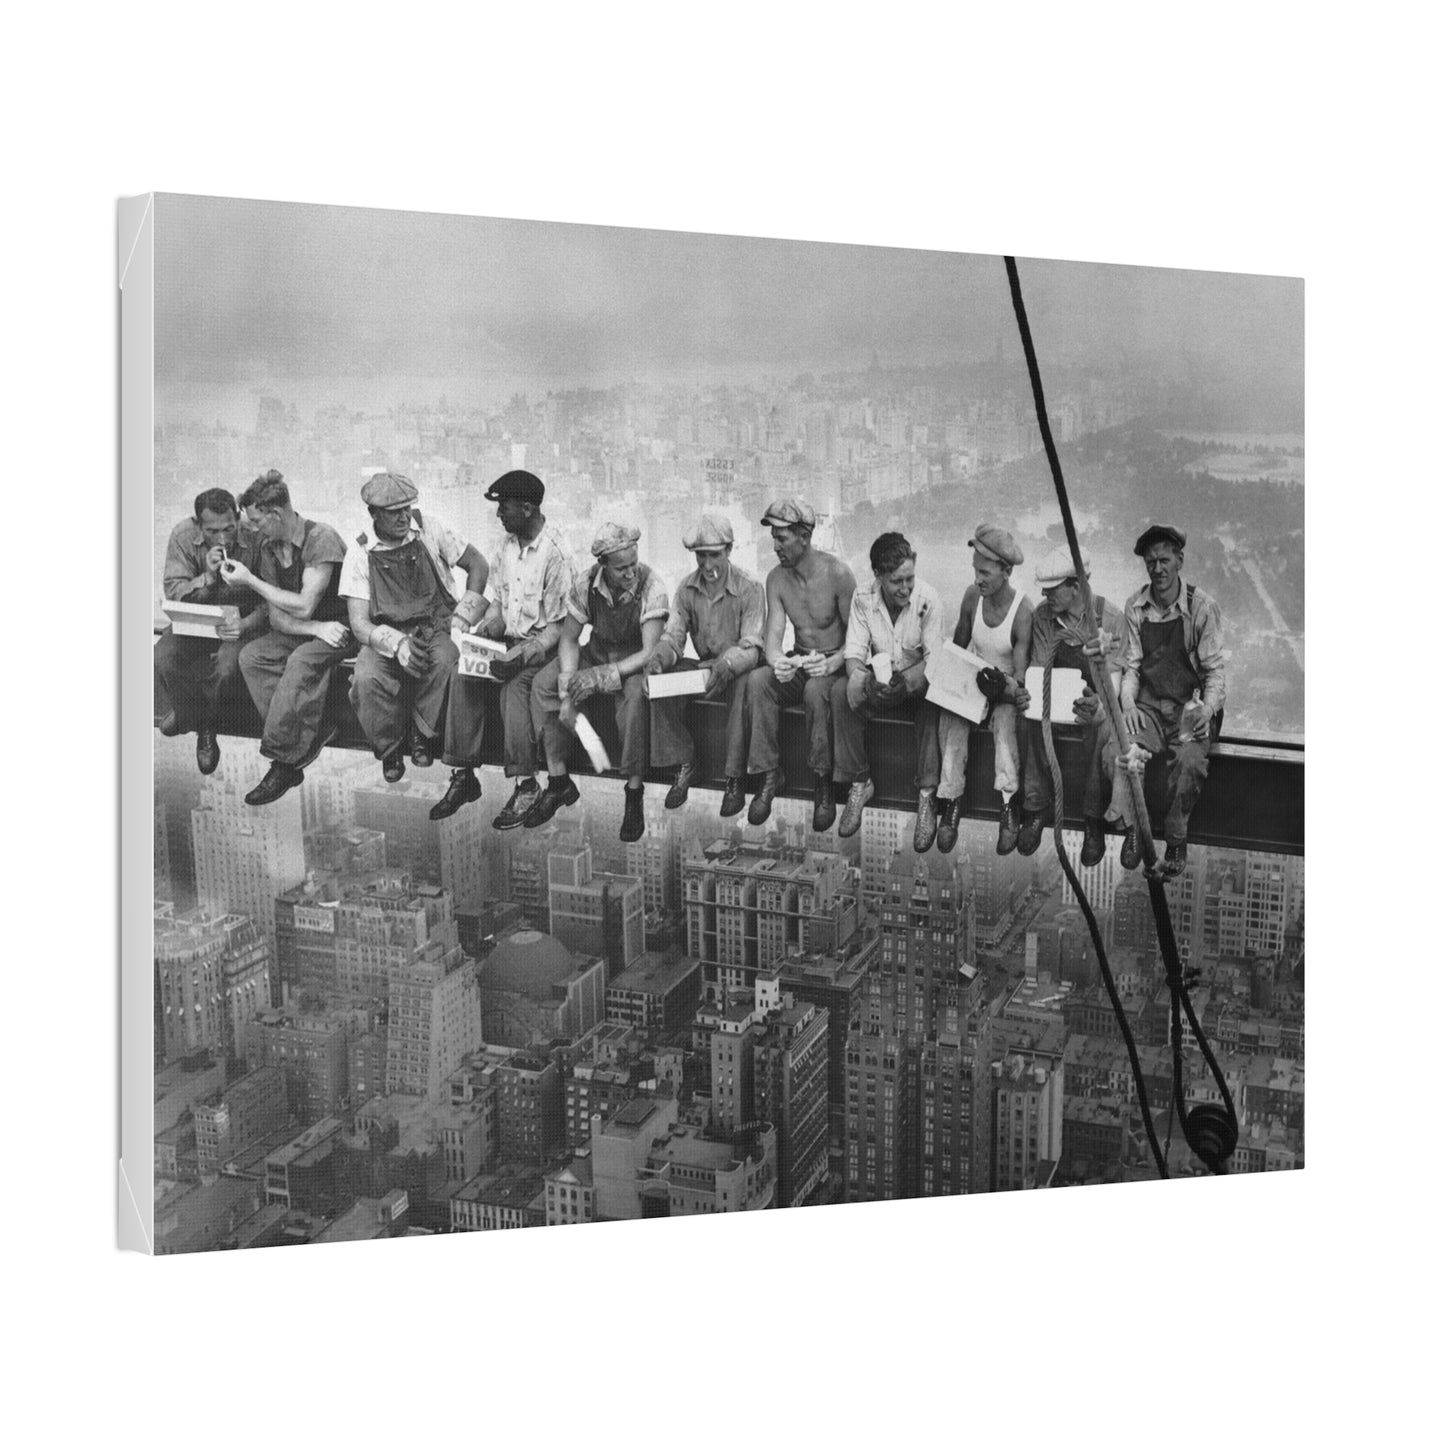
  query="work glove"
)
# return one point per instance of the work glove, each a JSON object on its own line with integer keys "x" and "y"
{"x": 468, "y": 612}
{"x": 719, "y": 675}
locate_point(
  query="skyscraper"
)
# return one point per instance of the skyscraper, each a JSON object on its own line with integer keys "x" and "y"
{"x": 213, "y": 972}
{"x": 245, "y": 856}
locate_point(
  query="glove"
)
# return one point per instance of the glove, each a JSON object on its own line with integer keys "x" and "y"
{"x": 858, "y": 688}
{"x": 662, "y": 658}
{"x": 506, "y": 667}
{"x": 609, "y": 678}
{"x": 469, "y": 610}
{"x": 993, "y": 684}
{"x": 1088, "y": 707}
{"x": 494, "y": 626}
{"x": 603, "y": 678}
{"x": 387, "y": 640}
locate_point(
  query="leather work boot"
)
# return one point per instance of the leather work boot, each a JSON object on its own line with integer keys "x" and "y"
{"x": 393, "y": 766}
{"x": 858, "y": 796}
{"x": 1030, "y": 834}
{"x": 761, "y": 808}
{"x": 281, "y": 778}
{"x": 518, "y": 805}
{"x": 1129, "y": 854}
{"x": 463, "y": 788}
{"x": 950, "y": 810}
{"x": 1093, "y": 849}
{"x": 1008, "y": 828}
{"x": 733, "y": 798}
{"x": 631, "y": 829}
{"x": 421, "y": 750}
{"x": 926, "y": 828}
{"x": 825, "y": 806}
{"x": 559, "y": 793}
{"x": 208, "y": 751}
{"x": 1176, "y": 855}
{"x": 677, "y": 793}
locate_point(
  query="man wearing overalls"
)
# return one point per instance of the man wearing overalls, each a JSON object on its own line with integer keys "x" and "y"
{"x": 1060, "y": 638}
{"x": 401, "y": 596}
{"x": 626, "y": 604}
{"x": 1172, "y": 695}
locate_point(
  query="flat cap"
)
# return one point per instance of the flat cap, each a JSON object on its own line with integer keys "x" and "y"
{"x": 1058, "y": 567}
{"x": 790, "y": 512}
{"x": 1158, "y": 532}
{"x": 517, "y": 486}
{"x": 389, "y": 489}
{"x": 613, "y": 537}
{"x": 994, "y": 542}
{"x": 708, "y": 531}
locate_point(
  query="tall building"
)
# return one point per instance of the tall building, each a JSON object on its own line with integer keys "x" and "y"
{"x": 310, "y": 1051}
{"x": 790, "y": 1088}
{"x": 1099, "y": 882}
{"x": 214, "y": 976}
{"x": 434, "y": 1019}
{"x": 749, "y": 907}
{"x": 926, "y": 925}
{"x": 245, "y": 856}
{"x": 886, "y": 833}
{"x": 452, "y": 854}
{"x": 1028, "y": 1120}
{"x": 594, "y": 912}
{"x": 534, "y": 991}
{"x": 881, "y": 1080}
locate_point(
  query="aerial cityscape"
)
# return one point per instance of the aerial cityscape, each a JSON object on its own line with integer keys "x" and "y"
{"x": 372, "y": 1020}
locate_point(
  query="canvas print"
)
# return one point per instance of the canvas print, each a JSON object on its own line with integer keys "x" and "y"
{"x": 651, "y": 724}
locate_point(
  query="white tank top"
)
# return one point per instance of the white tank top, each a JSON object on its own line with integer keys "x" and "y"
{"x": 995, "y": 644}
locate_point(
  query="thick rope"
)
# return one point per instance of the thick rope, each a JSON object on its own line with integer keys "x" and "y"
{"x": 1104, "y": 970}
{"x": 1103, "y": 689}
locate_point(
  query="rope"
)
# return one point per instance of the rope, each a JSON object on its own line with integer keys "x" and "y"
{"x": 1104, "y": 970}
{"x": 1103, "y": 689}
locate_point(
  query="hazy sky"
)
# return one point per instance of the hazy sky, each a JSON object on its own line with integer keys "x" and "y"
{"x": 250, "y": 291}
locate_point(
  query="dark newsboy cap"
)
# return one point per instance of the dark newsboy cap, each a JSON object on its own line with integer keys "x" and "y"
{"x": 1158, "y": 532}
{"x": 517, "y": 486}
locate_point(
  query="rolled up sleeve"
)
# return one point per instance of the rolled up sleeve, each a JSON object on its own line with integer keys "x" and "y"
{"x": 1209, "y": 649}
{"x": 856, "y": 645}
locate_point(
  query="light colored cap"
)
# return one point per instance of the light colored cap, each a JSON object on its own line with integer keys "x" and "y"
{"x": 1058, "y": 567}
{"x": 708, "y": 531}
{"x": 790, "y": 512}
{"x": 994, "y": 542}
{"x": 614, "y": 537}
{"x": 389, "y": 489}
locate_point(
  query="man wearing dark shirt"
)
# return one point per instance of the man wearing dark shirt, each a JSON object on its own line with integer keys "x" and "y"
{"x": 288, "y": 668}
{"x": 197, "y": 672}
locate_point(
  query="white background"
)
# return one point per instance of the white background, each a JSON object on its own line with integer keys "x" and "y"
{"x": 1229, "y": 137}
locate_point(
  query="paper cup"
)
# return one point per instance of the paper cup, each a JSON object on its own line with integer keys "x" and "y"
{"x": 882, "y": 666}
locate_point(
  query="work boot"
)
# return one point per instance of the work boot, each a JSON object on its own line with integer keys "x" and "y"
{"x": 1129, "y": 853}
{"x": 393, "y": 765}
{"x": 1093, "y": 849}
{"x": 518, "y": 805}
{"x": 1030, "y": 834}
{"x": 560, "y": 792}
{"x": 208, "y": 751}
{"x": 1176, "y": 855}
{"x": 825, "y": 806}
{"x": 1008, "y": 828}
{"x": 677, "y": 793}
{"x": 279, "y": 780}
{"x": 421, "y": 750}
{"x": 733, "y": 798}
{"x": 926, "y": 828}
{"x": 858, "y": 796}
{"x": 950, "y": 810}
{"x": 631, "y": 829}
{"x": 463, "y": 788}
{"x": 170, "y": 725}
{"x": 761, "y": 808}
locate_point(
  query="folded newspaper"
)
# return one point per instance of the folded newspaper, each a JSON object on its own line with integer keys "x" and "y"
{"x": 952, "y": 674}
{"x": 477, "y": 655}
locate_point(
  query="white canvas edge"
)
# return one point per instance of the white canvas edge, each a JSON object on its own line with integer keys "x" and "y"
{"x": 136, "y": 278}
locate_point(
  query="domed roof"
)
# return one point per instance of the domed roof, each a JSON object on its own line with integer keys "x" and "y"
{"x": 527, "y": 962}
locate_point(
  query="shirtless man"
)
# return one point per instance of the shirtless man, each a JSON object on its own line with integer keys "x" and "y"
{"x": 814, "y": 591}
{"x": 994, "y": 622}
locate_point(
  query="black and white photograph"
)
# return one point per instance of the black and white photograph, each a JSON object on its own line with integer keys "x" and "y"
{"x": 653, "y": 724}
